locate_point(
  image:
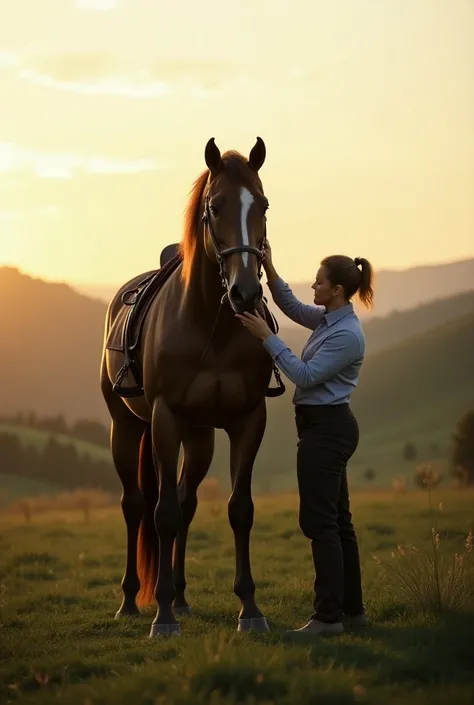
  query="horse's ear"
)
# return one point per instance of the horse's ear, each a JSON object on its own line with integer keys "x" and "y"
{"x": 213, "y": 157}
{"x": 257, "y": 155}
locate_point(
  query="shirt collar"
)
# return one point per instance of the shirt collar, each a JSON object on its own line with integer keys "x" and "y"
{"x": 334, "y": 316}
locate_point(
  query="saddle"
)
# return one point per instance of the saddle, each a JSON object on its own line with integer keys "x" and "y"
{"x": 125, "y": 333}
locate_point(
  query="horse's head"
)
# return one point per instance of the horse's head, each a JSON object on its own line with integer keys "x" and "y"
{"x": 234, "y": 219}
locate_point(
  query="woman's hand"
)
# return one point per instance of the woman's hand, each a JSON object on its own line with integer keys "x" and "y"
{"x": 267, "y": 255}
{"x": 255, "y": 324}
{"x": 268, "y": 262}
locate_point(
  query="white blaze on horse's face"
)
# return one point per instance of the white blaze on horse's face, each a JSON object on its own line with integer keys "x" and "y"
{"x": 246, "y": 200}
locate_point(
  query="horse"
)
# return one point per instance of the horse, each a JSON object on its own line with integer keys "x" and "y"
{"x": 202, "y": 370}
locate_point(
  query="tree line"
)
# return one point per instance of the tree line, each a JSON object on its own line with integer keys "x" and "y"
{"x": 82, "y": 429}
{"x": 56, "y": 462}
{"x": 61, "y": 463}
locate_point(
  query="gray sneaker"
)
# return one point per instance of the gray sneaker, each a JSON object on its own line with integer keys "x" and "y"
{"x": 314, "y": 629}
{"x": 357, "y": 623}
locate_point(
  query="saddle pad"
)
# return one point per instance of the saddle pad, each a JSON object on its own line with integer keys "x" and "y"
{"x": 127, "y": 326}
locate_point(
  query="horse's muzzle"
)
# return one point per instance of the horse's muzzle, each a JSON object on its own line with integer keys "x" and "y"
{"x": 245, "y": 298}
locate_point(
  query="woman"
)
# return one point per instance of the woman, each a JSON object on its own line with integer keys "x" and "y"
{"x": 328, "y": 432}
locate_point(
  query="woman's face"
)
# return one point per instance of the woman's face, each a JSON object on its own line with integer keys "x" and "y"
{"x": 324, "y": 291}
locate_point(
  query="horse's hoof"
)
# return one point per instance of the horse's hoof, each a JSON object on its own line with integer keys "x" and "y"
{"x": 158, "y": 629}
{"x": 127, "y": 613}
{"x": 183, "y": 609}
{"x": 258, "y": 624}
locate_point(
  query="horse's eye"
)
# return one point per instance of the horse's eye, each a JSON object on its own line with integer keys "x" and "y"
{"x": 214, "y": 210}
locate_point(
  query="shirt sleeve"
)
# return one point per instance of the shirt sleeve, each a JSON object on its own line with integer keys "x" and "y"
{"x": 308, "y": 315}
{"x": 337, "y": 352}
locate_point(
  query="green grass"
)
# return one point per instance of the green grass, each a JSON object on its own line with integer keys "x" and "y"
{"x": 60, "y": 586}
{"x": 14, "y": 487}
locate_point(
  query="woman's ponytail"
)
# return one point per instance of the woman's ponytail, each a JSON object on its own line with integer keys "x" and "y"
{"x": 365, "y": 291}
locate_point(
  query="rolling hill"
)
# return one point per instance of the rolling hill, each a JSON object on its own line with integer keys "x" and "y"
{"x": 37, "y": 439}
{"x": 51, "y": 346}
{"x": 415, "y": 391}
{"x": 52, "y": 340}
{"x": 414, "y": 384}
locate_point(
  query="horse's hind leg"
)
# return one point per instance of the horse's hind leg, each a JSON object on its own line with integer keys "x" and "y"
{"x": 126, "y": 434}
{"x": 198, "y": 447}
{"x": 166, "y": 436}
{"x": 245, "y": 438}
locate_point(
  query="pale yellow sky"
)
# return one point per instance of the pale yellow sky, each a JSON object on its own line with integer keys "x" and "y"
{"x": 367, "y": 110}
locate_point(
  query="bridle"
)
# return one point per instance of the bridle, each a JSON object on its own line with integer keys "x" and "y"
{"x": 221, "y": 254}
{"x": 132, "y": 363}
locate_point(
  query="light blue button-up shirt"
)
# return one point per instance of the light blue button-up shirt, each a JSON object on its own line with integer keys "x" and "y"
{"x": 329, "y": 367}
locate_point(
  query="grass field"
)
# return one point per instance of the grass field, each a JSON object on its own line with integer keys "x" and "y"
{"x": 14, "y": 486}
{"x": 60, "y": 586}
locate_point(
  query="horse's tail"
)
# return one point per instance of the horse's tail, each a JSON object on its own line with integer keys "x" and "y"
{"x": 148, "y": 544}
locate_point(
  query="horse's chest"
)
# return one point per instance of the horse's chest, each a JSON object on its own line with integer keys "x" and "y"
{"x": 213, "y": 379}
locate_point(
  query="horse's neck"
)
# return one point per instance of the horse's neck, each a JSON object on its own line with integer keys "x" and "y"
{"x": 204, "y": 290}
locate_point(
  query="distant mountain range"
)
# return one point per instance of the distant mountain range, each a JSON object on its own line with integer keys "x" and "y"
{"x": 395, "y": 290}
{"x": 384, "y": 332}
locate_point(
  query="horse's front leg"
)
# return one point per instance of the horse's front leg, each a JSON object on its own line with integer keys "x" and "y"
{"x": 198, "y": 445}
{"x": 245, "y": 437}
{"x": 166, "y": 439}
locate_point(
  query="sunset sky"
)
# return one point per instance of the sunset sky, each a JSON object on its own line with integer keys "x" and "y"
{"x": 366, "y": 108}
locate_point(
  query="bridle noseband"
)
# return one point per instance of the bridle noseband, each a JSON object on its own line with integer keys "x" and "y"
{"x": 221, "y": 254}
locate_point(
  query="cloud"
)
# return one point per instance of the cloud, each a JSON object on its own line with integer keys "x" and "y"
{"x": 9, "y": 59}
{"x": 113, "y": 86}
{"x": 307, "y": 74}
{"x": 93, "y": 65}
{"x": 140, "y": 85}
{"x": 74, "y": 66}
{"x": 101, "y": 73}
{"x": 98, "y": 5}
{"x": 63, "y": 165}
{"x": 11, "y": 216}
{"x": 191, "y": 70}
{"x": 105, "y": 74}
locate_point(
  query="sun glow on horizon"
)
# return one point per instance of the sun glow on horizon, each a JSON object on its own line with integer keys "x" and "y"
{"x": 107, "y": 107}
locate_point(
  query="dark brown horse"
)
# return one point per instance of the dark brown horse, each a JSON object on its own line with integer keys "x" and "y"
{"x": 201, "y": 370}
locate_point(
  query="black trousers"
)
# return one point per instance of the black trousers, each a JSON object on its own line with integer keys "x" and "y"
{"x": 328, "y": 436}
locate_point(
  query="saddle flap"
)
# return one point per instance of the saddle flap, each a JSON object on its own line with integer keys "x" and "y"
{"x": 116, "y": 336}
{"x": 126, "y": 329}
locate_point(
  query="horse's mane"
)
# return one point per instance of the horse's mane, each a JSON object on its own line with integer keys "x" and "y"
{"x": 237, "y": 170}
